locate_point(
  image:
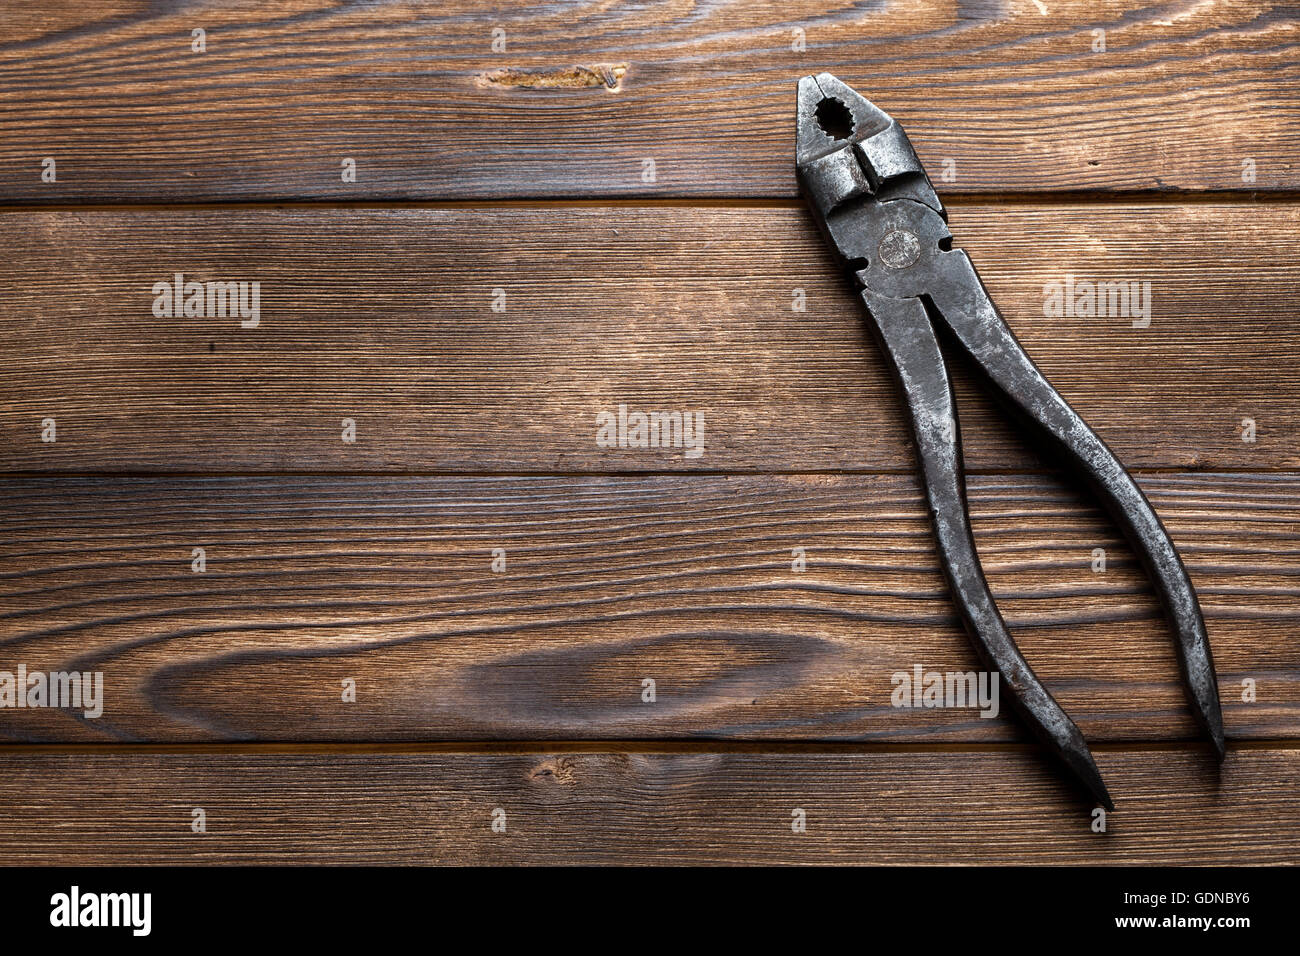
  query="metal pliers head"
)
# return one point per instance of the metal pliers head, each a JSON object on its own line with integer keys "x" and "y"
{"x": 867, "y": 188}
{"x": 878, "y": 209}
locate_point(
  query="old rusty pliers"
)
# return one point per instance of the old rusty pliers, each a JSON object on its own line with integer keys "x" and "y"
{"x": 879, "y": 212}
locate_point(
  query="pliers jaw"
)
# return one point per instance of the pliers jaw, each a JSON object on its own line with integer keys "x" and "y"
{"x": 851, "y": 153}
{"x": 833, "y": 115}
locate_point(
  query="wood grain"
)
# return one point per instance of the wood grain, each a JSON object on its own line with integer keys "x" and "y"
{"x": 331, "y": 562}
{"x": 385, "y": 317}
{"x": 637, "y": 808}
{"x": 687, "y": 580}
{"x": 1017, "y": 95}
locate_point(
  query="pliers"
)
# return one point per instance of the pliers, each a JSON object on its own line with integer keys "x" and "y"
{"x": 876, "y": 206}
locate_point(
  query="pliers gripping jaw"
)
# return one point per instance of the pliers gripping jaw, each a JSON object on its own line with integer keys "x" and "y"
{"x": 880, "y": 214}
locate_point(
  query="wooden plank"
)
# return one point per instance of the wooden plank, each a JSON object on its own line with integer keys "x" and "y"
{"x": 385, "y": 317}
{"x": 687, "y": 580}
{"x": 880, "y": 808}
{"x": 1072, "y": 94}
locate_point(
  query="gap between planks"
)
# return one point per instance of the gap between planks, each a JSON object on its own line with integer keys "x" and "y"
{"x": 649, "y": 746}
{"x": 1065, "y": 473}
{"x": 1029, "y": 197}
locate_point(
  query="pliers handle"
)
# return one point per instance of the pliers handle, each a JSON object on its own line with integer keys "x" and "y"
{"x": 878, "y": 209}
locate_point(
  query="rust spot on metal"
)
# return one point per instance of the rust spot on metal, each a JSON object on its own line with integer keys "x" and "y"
{"x": 606, "y": 75}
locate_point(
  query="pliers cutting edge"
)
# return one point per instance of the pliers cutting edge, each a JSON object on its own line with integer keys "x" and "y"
{"x": 880, "y": 214}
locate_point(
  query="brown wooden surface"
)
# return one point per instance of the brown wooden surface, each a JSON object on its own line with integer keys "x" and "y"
{"x": 636, "y": 808}
{"x": 384, "y": 316}
{"x": 1013, "y": 93}
{"x": 683, "y": 579}
{"x": 476, "y": 430}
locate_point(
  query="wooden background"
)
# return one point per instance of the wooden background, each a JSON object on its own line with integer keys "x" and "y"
{"x": 1170, "y": 156}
